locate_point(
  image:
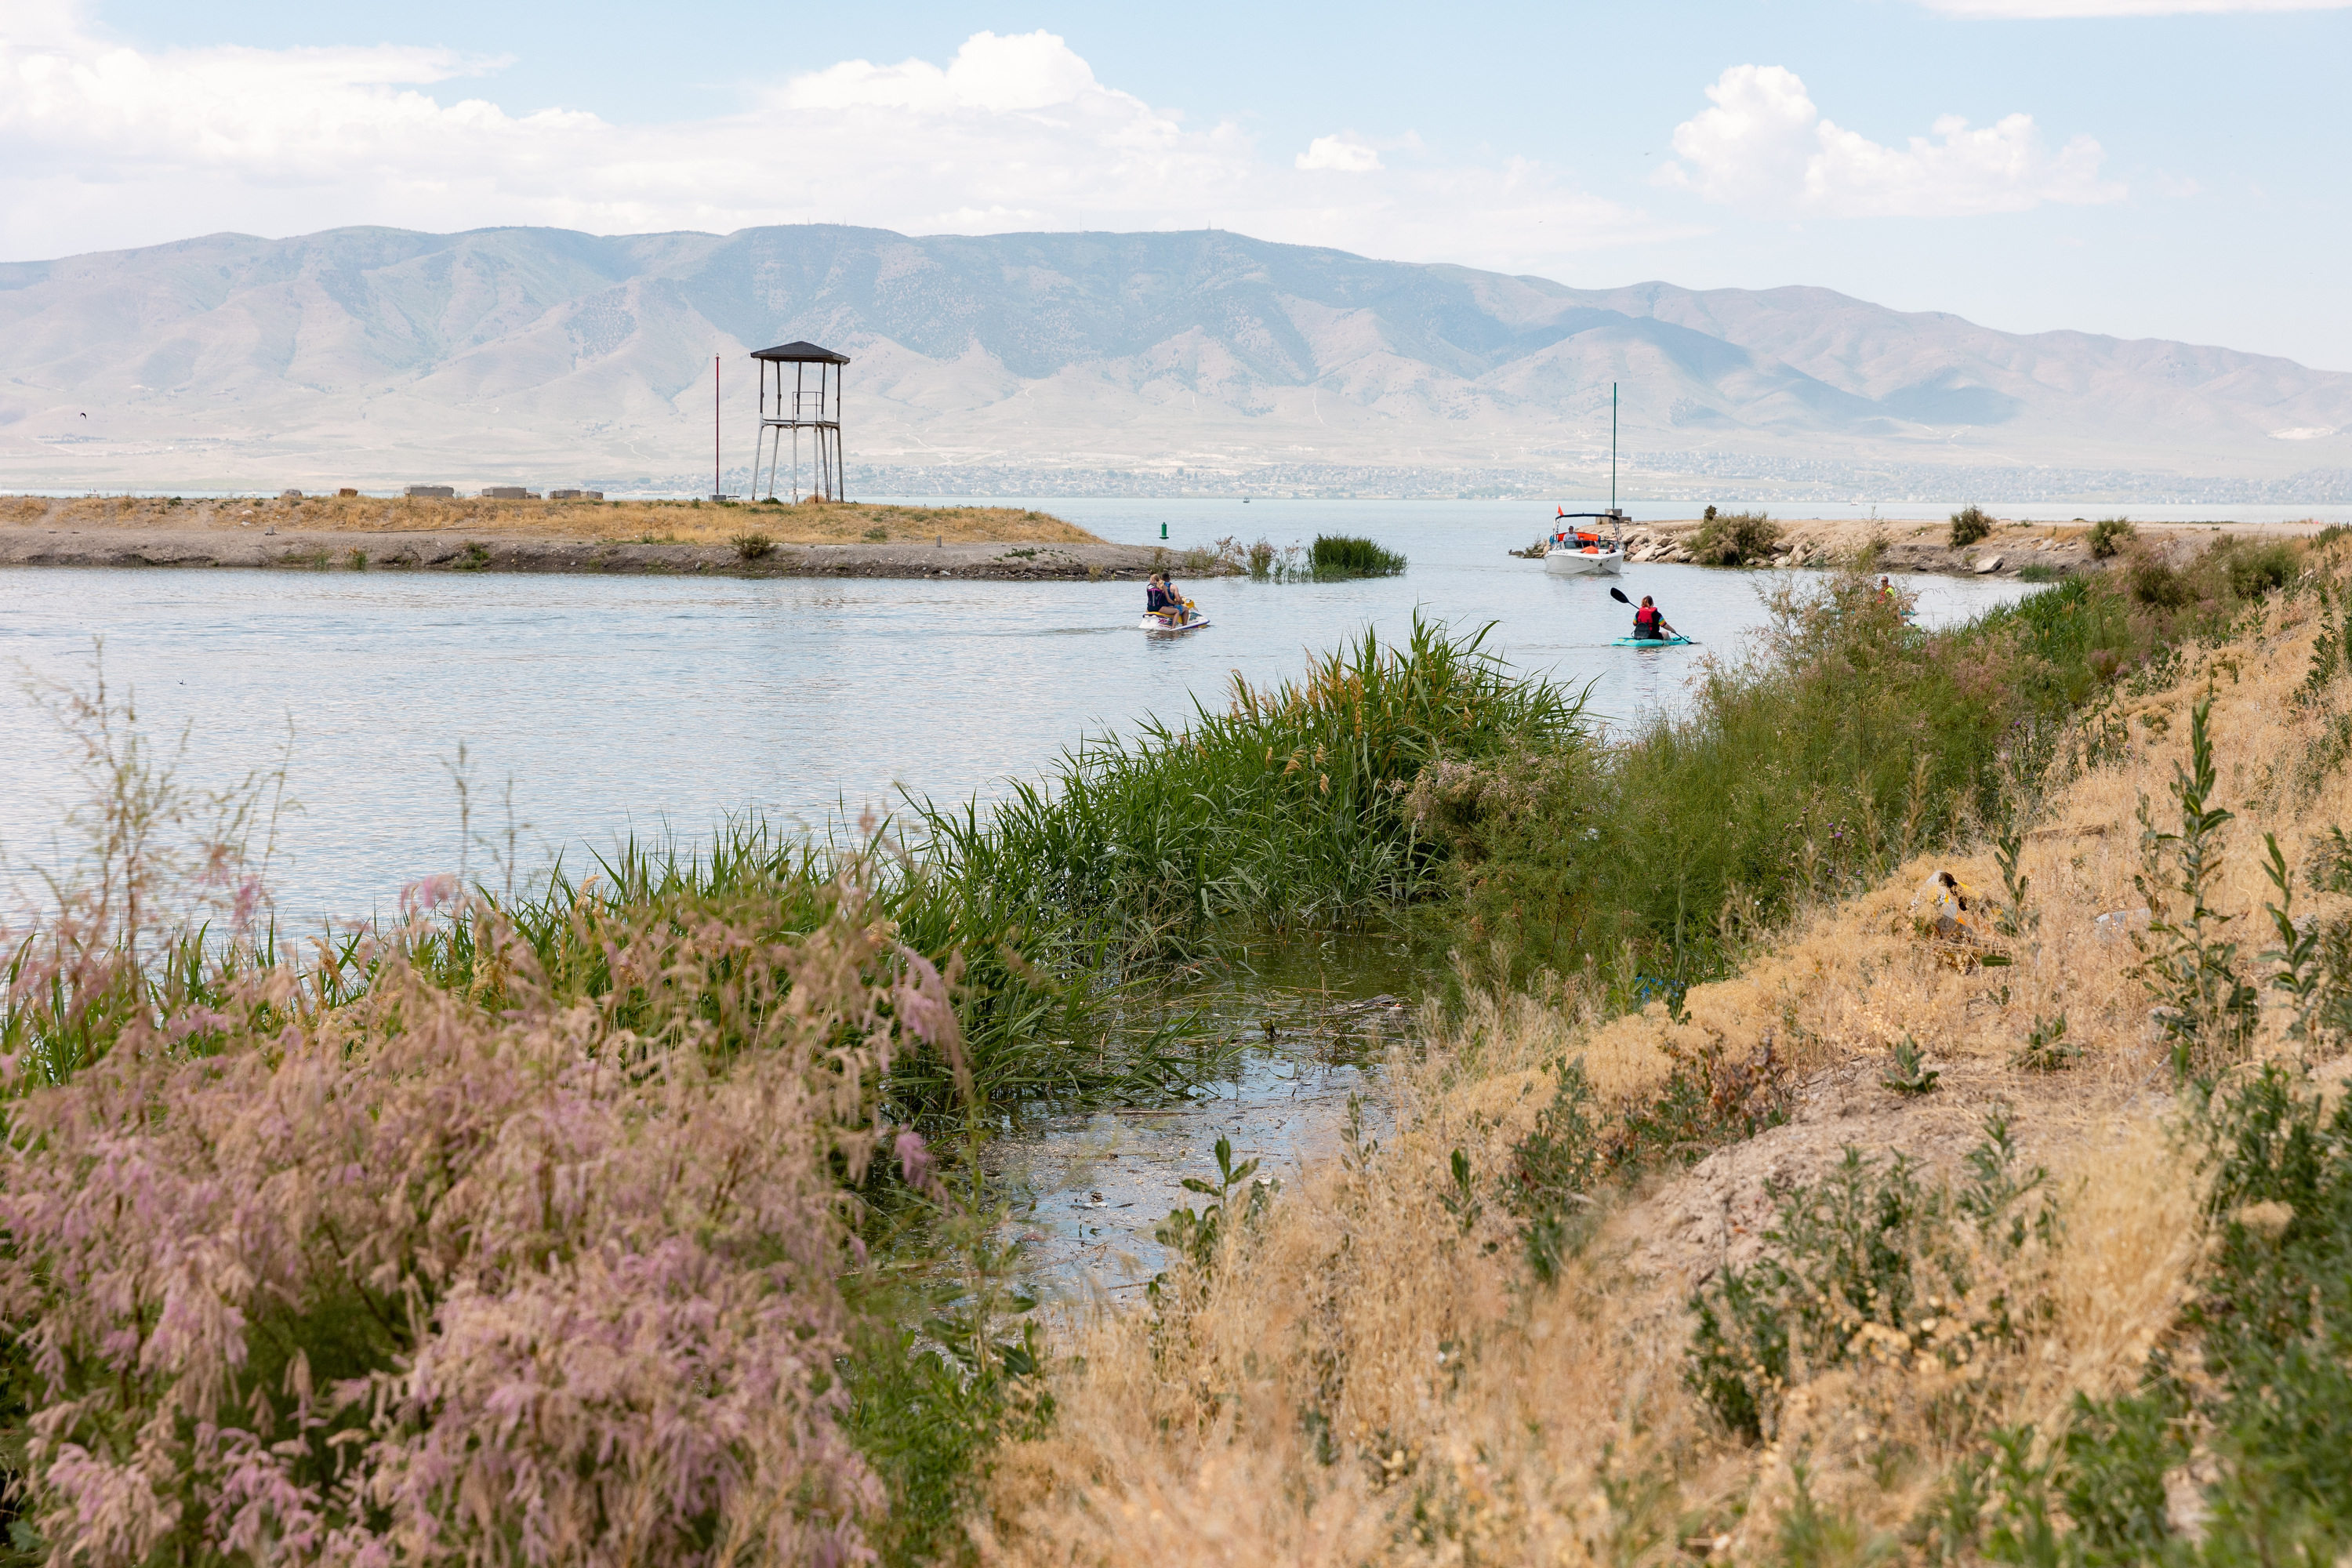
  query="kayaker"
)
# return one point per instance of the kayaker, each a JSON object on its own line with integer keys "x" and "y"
{"x": 1650, "y": 624}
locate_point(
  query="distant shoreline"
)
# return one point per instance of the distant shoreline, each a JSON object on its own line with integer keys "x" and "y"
{"x": 567, "y": 536}
{"x": 462, "y": 550}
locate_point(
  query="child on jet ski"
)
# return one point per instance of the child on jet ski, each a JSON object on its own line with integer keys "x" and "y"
{"x": 1163, "y": 599}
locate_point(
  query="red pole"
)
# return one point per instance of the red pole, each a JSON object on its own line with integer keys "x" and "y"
{"x": 714, "y": 427}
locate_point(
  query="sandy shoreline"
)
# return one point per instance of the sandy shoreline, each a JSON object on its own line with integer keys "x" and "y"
{"x": 1921, "y": 544}
{"x": 470, "y": 534}
{"x": 482, "y": 551}
{"x": 535, "y": 536}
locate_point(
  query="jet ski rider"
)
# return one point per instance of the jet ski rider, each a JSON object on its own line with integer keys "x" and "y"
{"x": 1650, "y": 624}
{"x": 1163, "y": 599}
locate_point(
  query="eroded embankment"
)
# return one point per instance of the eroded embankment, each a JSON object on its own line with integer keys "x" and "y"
{"x": 1475, "y": 1344}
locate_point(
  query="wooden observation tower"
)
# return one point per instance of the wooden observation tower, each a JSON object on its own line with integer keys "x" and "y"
{"x": 806, "y": 396}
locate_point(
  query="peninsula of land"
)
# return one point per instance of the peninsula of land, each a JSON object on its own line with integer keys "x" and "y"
{"x": 483, "y": 533}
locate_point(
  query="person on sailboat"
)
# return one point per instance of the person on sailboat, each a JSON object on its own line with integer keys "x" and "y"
{"x": 1650, "y": 622}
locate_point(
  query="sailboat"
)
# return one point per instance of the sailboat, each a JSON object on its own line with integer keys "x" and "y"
{"x": 1577, "y": 551}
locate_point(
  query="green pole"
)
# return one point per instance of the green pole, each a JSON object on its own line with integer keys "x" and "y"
{"x": 1612, "y": 445}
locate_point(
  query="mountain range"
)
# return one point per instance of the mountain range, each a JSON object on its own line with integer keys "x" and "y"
{"x": 1202, "y": 362}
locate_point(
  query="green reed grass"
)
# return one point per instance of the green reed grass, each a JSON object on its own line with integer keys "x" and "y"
{"x": 1284, "y": 809}
{"x": 1350, "y": 555}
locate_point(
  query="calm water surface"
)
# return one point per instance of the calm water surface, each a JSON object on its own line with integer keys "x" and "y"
{"x": 619, "y": 706}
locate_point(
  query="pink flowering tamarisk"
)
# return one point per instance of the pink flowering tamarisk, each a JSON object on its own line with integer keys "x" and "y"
{"x": 499, "y": 1274}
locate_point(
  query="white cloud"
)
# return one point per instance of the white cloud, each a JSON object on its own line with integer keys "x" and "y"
{"x": 1342, "y": 153}
{"x": 1766, "y": 148}
{"x": 2045, "y": 10}
{"x": 103, "y": 145}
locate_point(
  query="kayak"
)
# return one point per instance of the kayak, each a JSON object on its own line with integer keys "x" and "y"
{"x": 1154, "y": 623}
{"x": 1652, "y": 642}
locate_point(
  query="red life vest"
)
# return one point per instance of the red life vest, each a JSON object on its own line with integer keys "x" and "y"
{"x": 1645, "y": 621}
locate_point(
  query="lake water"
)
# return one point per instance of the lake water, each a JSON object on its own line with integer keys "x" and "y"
{"x": 612, "y": 705}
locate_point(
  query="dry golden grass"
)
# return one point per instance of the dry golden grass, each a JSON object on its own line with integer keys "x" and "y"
{"x": 1370, "y": 1378}
{"x": 811, "y": 522}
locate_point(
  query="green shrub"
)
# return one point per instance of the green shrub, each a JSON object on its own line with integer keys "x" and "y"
{"x": 753, "y": 546}
{"x": 1711, "y": 1098}
{"x": 2255, "y": 567}
{"x": 1970, "y": 524}
{"x": 2187, "y": 965}
{"x": 1867, "y": 1247}
{"x": 1734, "y": 538}
{"x": 2272, "y": 1400}
{"x": 2156, "y": 583}
{"x": 2109, "y": 535}
{"x": 1346, "y": 556}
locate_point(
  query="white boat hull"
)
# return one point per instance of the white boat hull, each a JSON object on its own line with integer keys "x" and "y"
{"x": 1154, "y": 623}
{"x": 1584, "y": 563}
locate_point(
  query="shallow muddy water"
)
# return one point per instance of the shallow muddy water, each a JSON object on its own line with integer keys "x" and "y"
{"x": 1292, "y": 1040}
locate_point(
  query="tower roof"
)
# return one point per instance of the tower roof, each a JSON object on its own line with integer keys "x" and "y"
{"x": 804, "y": 353}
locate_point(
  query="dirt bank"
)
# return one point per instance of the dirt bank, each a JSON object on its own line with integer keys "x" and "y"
{"x": 1923, "y": 544}
{"x": 640, "y": 521}
{"x": 303, "y": 549}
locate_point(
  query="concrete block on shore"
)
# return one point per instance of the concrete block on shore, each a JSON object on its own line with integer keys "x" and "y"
{"x": 575, "y": 495}
{"x": 507, "y": 492}
{"x": 431, "y": 493}
{"x": 347, "y": 492}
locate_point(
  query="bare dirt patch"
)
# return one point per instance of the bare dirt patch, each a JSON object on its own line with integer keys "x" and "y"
{"x": 643, "y": 522}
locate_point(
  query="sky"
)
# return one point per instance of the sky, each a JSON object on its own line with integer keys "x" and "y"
{"x": 2146, "y": 168}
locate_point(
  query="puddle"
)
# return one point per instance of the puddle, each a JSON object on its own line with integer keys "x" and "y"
{"x": 1299, "y": 1035}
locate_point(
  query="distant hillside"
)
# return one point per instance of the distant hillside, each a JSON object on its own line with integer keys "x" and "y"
{"x": 1139, "y": 362}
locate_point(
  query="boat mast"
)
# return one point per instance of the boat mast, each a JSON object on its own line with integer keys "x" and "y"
{"x": 1612, "y": 445}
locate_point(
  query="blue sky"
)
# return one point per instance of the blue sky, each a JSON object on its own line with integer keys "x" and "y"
{"x": 2181, "y": 174}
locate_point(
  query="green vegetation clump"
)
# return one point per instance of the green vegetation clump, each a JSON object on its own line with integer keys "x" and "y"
{"x": 1869, "y": 1250}
{"x": 2109, "y": 535}
{"x": 1346, "y": 555}
{"x": 2265, "y": 1401}
{"x": 1734, "y": 538}
{"x": 1577, "y": 1148}
{"x": 1970, "y": 524}
{"x": 752, "y": 546}
{"x": 1850, "y": 742}
{"x": 2256, "y": 567}
{"x": 1286, "y": 808}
